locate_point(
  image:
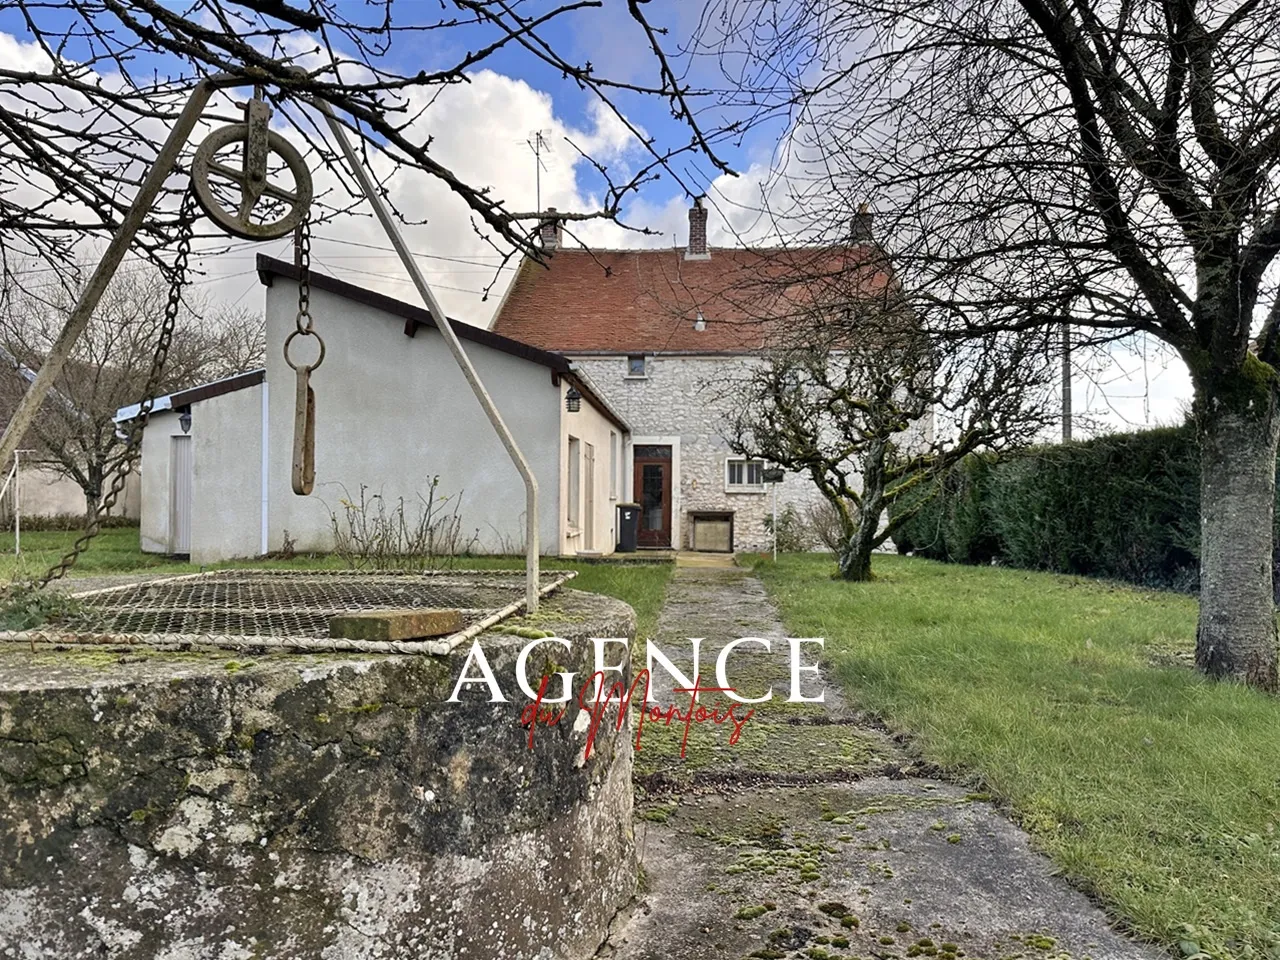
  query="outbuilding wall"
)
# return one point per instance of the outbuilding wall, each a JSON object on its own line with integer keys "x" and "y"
{"x": 48, "y": 493}
{"x": 588, "y": 425}
{"x": 394, "y": 411}
{"x": 156, "y": 488}
{"x": 226, "y": 521}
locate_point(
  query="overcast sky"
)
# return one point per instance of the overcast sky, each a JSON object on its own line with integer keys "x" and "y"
{"x": 482, "y": 128}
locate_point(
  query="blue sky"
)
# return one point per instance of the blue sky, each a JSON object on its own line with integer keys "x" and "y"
{"x": 606, "y": 36}
{"x": 480, "y": 130}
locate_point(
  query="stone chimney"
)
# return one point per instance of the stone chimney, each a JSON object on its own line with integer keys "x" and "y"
{"x": 697, "y": 249}
{"x": 862, "y": 228}
{"x": 549, "y": 231}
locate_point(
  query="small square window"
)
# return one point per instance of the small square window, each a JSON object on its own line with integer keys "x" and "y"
{"x": 744, "y": 475}
{"x": 637, "y": 366}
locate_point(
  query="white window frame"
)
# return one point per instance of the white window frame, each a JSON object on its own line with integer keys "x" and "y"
{"x": 637, "y": 376}
{"x": 730, "y": 487}
{"x": 574, "y": 484}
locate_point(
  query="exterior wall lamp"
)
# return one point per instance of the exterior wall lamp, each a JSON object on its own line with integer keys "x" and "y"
{"x": 572, "y": 399}
{"x": 184, "y": 421}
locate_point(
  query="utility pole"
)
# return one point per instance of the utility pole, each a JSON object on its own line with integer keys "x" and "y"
{"x": 537, "y": 144}
{"x": 1066, "y": 383}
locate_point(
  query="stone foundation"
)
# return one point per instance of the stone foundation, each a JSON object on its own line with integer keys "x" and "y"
{"x": 295, "y": 807}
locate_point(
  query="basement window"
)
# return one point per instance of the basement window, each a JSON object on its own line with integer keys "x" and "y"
{"x": 637, "y": 365}
{"x": 743, "y": 476}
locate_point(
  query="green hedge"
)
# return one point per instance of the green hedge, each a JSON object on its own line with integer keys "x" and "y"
{"x": 1125, "y": 506}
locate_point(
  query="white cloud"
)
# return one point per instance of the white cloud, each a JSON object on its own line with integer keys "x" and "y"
{"x": 479, "y": 129}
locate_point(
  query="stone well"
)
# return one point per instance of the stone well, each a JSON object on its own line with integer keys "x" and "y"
{"x": 170, "y": 806}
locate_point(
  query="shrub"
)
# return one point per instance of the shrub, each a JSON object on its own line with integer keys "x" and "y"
{"x": 1125, "y": 506}
{"x": 824, "y": 523}
{"x": 62, "y": 522}
{"x": 372, "y": 533}
{"x": 794, "y": 533}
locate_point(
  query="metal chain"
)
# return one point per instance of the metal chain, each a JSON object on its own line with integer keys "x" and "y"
{"x": 304, "y": 323}
{"x": 127, "y": 460}
{"x": 304, "y": 278}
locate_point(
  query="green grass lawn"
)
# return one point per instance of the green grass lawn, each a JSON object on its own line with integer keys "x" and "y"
{"x": 117, "y": 551}
{"x": 1153, "y": 789}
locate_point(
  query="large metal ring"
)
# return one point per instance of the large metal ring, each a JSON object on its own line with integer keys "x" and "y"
{"x": 304, "y": 333}
{"x": 204, "y": 166}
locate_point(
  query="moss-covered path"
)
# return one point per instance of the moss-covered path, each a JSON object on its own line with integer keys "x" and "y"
{"x": 816, "y": 836}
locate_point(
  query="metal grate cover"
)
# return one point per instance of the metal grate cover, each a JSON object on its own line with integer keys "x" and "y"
{"x": 286, "y": 609}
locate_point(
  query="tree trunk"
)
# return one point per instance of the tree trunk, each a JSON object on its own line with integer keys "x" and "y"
{"x": 1236, "y": 635}
{"x": 855, "y": 554}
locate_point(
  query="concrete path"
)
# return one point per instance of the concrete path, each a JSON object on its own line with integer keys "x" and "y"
{"x": 816, "y": 836}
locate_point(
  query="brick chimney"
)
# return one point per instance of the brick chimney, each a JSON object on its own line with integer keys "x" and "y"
{"x": 862, "y": 227}
{"x": 549, "y": 231}
{"x": 697, "y": 249}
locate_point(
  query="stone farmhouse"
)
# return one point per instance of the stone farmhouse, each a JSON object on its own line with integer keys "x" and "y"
{"x": 615, "y": 369}
{"x": 663, "y": 334}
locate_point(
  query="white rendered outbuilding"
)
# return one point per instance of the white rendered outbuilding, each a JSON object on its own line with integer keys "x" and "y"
{"x": 393, "y": 411}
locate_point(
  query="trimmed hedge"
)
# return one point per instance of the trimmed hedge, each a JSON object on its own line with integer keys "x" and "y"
{"x": 1125, "y": 506}
{"x": 60, "y": 522}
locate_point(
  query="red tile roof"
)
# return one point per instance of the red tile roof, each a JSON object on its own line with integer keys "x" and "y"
{"x": 646, "y": 301}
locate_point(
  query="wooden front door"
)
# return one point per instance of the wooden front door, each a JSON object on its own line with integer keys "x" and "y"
{"x": 653, "y": 493}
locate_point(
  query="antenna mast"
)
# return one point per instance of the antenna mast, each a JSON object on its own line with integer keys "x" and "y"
{"x": 537, "y": 144}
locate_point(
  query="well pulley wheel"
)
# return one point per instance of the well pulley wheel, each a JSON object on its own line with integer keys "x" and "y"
{"x": 233, "y": 194}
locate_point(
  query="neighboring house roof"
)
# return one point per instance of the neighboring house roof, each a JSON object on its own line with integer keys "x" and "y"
{"x": 416, "y": 316}
{"x": 648, "y": 301}
{"x": 205, "y": 391}
{"x": 21, "y": 371}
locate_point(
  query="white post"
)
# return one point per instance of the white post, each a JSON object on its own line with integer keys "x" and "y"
{"x": 775, "y": 522}
{"x": 17, "y": 505}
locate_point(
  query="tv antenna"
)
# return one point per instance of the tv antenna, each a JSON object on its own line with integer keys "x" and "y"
{"x": 537, "y": 143}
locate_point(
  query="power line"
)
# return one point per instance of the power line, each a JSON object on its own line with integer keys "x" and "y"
{"x": 475, "y": 261}
{"x": 379, "y": 276}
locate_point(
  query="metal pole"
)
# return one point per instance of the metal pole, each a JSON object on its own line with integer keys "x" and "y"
{"x": 119, "y": 246}
{"x": 17, "y": 506}
{"x": 1066, "y": 383}
{"x": 775, "y": 523}
{"x": 459, "y": 354}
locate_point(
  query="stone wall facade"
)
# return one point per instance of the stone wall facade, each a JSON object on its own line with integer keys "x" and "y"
{"x": 680, "y": 402}
{"x": 167, "y": 806}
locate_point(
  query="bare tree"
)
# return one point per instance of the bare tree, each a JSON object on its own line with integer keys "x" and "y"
{"x": 1111, "y": 166}
{"x": 873, "y": 414}
{"x": 75, "y": 431}
{"x": 80, "y": 129}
